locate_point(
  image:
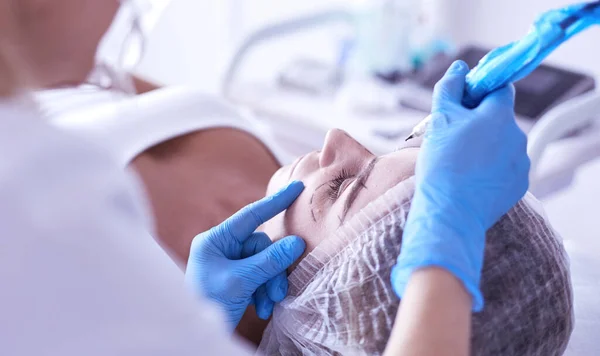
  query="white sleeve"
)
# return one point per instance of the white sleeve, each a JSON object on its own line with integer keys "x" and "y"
{"x": 79, "y": 272}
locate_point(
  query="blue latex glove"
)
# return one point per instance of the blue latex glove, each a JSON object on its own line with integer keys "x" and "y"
{"x": 472, "y": 168}
{"x": 234, "y": 266}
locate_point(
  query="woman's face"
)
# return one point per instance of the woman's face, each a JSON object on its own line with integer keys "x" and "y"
{"x": 340, "y": 180}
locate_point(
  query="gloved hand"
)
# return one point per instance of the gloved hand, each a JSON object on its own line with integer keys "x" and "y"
{"x": 234, "y": 266}
{"x": 472, "y": 168}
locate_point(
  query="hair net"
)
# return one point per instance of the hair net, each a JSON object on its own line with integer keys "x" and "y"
{"x": 341, "y": 301}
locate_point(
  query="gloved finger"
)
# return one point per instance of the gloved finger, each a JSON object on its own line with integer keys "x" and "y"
{"x": 503, "y": 98}
{"x": 243, "y": 223}
{"x": 519, "y": 139}
{"x": 522, "y": 184}
{"x": 263, "y": 304}
{"x": 256, "y": 243}
{"x": 439, "y": 123}
{"x": 522, "y": 167}
{"x": 451, "y": 87}
{"x": 518, "y": 164}
{"x": 513, "y": 139}
{"x": 275, "y": 259}
{"x": 277, "y": 287}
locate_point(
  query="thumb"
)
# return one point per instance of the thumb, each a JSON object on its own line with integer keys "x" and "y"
{"x": 451, "y": 87}
{"x": 499, "y": 100}
{"x": 275, "y": 259}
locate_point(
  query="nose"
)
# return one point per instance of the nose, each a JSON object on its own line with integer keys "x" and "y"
{"x": 338, "y": 145}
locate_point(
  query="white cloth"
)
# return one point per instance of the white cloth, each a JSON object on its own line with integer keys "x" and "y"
{"x": 79, "y": 274}
{"x": 130, "y": 125}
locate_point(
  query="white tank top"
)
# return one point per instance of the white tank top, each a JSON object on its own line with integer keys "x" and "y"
{"x": 130, "y": 125}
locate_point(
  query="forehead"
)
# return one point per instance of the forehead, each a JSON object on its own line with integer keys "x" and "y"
{"x": 396, "y": 166}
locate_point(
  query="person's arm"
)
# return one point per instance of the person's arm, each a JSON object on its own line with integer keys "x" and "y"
{"x": 434, "y": 317}
{"x": 472, "y": 169}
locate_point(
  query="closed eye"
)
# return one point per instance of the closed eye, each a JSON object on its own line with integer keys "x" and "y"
{"x": 337, "y": 185}
{"x": 361, "y": 179}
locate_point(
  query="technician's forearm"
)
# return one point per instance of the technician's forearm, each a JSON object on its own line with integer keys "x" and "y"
{"x": 434, "y": 317}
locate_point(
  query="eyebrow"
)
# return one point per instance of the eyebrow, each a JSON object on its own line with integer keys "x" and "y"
{"x": 361, "y": 178}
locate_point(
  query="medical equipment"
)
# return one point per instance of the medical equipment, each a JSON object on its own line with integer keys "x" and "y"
{"x": 388, "y": 36}
{"x": 341, "y": 300}
{"x": 573, "y": 214}
{"x": 274, "y": 31}
{"x": 515, "y": 61}
{"x": 546, "y": 86}
{"x": 383, "y": 34}
{"x": 558, "y": 108}
{"x": 563, "y": 120}
{"x": 250, "y": 267}
{"x": 311, "y": 76}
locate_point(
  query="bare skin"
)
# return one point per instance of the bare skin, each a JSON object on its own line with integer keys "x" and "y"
{"x": 194, "y": 181}
{"x": 434, "y": 317}
{"x": 56, "y": 40}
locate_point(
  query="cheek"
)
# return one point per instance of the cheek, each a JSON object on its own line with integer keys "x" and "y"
{"x": 310, "y": 220}
{"x": 293, "y": 221}
{"x": 310, "y": 217}
{"x": 296, "y": 220}
{"x": 289, "y": 221}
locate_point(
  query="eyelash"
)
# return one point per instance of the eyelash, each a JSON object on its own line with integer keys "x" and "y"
{"x": 336, "y": 184}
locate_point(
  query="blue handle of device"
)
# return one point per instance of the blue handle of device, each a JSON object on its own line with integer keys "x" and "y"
{"x": 515, "y": 61}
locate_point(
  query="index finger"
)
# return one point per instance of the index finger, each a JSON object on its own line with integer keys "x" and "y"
{"x": 242, "y": 224}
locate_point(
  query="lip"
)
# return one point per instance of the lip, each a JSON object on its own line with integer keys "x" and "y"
{"x": 294, "y": 165}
